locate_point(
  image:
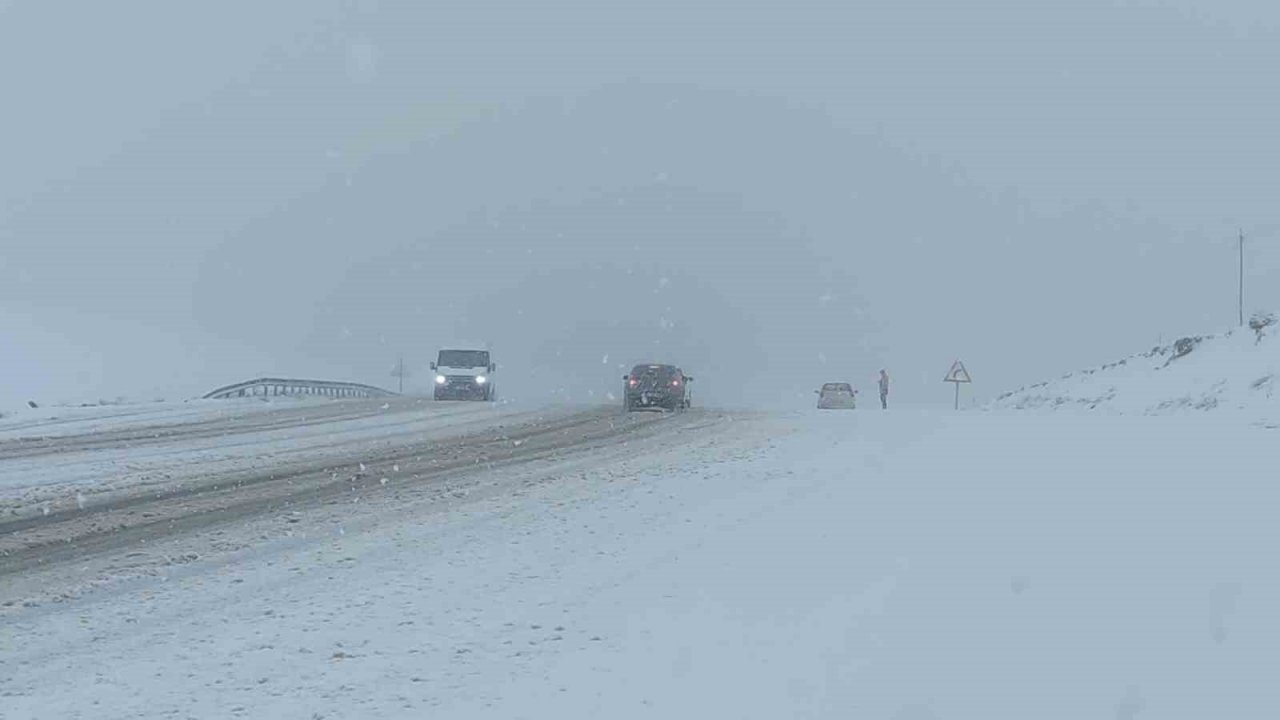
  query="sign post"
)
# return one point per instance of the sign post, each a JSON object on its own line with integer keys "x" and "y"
{"x": 399, "y": 372}
{"x": 956, "y": 375}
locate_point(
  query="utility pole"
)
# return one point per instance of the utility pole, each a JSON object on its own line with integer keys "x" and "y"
{"x": 1241, "y": 277}
{"x": 399, "y": 373}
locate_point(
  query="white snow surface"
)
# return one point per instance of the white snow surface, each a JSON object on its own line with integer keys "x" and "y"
{"x": 64, "y": 420}
{"x": 899, "y": 565}
{"x": 1236, "y": 371}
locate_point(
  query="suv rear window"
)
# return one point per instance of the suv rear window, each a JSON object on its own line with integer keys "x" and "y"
{"x": 659, "y": 370}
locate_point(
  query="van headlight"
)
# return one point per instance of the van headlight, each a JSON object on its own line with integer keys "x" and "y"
{"x": 440, "y": 379}
{"x": 480, "y": 379}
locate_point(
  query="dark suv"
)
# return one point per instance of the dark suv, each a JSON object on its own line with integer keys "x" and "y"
{"x": 656, "y": 387}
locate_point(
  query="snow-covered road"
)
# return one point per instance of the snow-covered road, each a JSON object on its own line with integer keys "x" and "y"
{"x": 414, "y": 448}
{"x": 906, "y": 566}
{"x": 68, "y": 458}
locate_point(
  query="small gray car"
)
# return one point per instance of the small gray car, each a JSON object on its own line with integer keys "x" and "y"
{"x": 837, "y": 396}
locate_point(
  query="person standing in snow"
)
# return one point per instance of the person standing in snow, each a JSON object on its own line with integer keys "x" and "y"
{"x": 884, "y": 390}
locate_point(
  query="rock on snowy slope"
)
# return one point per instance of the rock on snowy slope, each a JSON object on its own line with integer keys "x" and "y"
{"x": 1234, "y": 371}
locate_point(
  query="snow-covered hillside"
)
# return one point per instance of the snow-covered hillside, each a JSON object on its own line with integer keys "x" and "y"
{"x": 1233, "y": 371}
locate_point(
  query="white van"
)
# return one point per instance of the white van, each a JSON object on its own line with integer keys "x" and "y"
{"x": 464, "y": 375}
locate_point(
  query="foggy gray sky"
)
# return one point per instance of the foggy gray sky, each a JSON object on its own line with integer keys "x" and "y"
{"x": 772, "y": 195}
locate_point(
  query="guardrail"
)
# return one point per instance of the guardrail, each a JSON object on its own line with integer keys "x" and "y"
{"x": 267, "y": 387}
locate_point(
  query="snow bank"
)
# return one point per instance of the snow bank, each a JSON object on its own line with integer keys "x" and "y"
{"x": 1235, "y": 371}
{"x": 47, "y": 421}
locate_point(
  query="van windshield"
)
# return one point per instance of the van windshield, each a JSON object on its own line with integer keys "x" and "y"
{"x": 463, "y": 358}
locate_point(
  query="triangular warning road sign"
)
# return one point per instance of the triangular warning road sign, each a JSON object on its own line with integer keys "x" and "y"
{"x": 957, "y": 374}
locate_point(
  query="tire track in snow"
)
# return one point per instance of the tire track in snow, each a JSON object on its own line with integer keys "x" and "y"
{"x": 41, "y": 542}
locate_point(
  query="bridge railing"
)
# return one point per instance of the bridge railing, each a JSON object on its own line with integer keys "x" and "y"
{"x": 268, "y": 387}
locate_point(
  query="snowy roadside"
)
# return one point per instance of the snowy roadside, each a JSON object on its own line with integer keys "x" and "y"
{"x": 903, "y": 565}
{"x": 1236, "y": 373}
{"x": 64, "y": 420}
